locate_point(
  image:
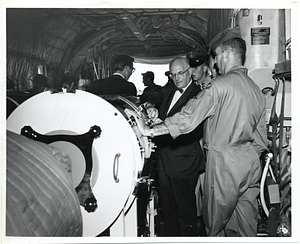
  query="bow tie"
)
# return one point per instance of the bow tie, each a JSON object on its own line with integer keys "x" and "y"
{"x": 178, "y": 89}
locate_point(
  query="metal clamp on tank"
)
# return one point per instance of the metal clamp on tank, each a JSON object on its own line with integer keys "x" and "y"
{"x": 143, "y": 112}
{"x": 142, "y": 180}
{"x": 147, "y": 145}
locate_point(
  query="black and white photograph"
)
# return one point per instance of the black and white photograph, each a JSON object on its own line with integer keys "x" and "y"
{"x": 149, "y": 121}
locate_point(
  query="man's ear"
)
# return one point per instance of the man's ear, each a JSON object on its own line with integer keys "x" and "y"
{"x": 190, "y": 71}
{"x": 226, "y": 54}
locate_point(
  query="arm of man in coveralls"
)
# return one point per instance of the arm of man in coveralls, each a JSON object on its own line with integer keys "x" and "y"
{"x": 260, "y": 135}
{"x": 191, "y": 115}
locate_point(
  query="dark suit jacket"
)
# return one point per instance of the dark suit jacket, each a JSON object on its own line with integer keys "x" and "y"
{"x": 182, "y": 156}
{"x": 113, "y": 85}
{"x": 152, "y": 94}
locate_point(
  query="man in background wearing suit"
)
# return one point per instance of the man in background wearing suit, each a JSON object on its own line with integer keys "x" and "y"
{"x": 118, "y": 83}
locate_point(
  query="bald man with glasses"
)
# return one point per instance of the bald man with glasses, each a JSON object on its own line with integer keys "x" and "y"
{"x": 180, "y": 161}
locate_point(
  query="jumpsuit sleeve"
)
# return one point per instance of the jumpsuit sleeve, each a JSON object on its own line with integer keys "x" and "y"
{"x": 193, "y": 113}
{"x": 260, "y": 141}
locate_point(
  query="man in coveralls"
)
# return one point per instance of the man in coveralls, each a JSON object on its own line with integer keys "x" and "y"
{"x": 234, "y": 136}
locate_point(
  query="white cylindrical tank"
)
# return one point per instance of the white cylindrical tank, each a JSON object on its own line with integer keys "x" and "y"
{"x": 117, "y": 155}
{"x": 264, "y": 31}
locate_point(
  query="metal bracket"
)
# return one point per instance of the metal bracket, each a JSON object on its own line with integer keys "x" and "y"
{"x": 84, "y": 143}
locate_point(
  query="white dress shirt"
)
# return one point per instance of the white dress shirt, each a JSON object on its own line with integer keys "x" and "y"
{"x": 177, "y": 95}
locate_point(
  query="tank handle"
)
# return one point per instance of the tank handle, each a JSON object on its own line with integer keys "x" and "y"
{"x": 116, "y": 167}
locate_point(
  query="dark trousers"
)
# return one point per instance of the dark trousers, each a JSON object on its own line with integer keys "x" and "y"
{"x": 178, "y": 203}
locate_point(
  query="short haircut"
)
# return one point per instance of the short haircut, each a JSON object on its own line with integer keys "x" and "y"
{"x": 121, "y": 61}
{"x": 238, "y": 46}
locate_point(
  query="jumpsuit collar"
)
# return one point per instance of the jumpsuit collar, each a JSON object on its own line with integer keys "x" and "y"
{"x": 238, "y": 67}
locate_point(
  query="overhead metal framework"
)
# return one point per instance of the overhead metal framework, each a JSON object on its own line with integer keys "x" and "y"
{"x": 72, "y": 36}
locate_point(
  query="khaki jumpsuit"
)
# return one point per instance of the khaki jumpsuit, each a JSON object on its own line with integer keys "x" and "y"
{"x": 234, "y": 136}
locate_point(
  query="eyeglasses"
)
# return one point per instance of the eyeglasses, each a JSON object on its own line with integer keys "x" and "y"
{"x": 180, "y": 73}
{"x": 132, "y": 69}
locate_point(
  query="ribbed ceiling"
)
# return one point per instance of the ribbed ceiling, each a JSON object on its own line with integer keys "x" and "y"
{"x": 72, "y": 35}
